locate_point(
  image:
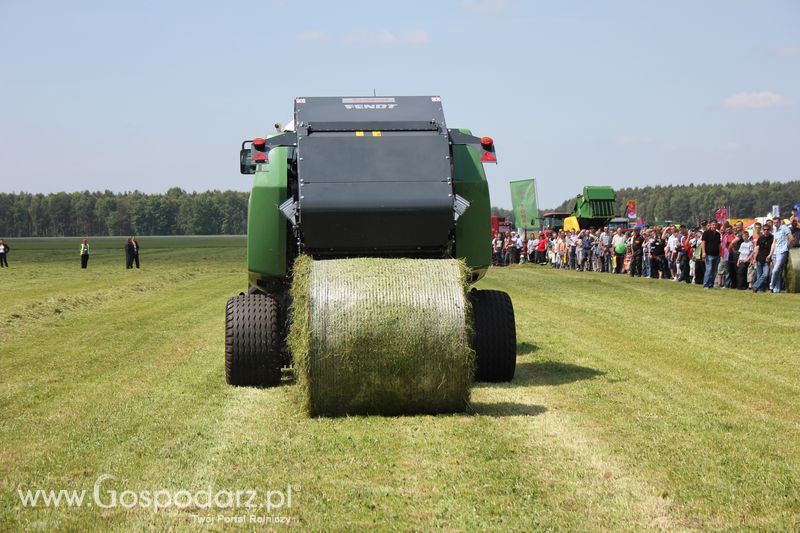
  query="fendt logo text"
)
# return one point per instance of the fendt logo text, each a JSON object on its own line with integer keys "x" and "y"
{"x": 370, "y": 106}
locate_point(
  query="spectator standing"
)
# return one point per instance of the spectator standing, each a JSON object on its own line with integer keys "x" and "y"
{"x": 734, "y": 241}
{"x": 647, "y": 252}
{"x": 579, "y": 250}
{"x": 618, "y": 245}
{"x": 560, "y": 250}
{"x": 129, "y": 253}
{"x": 671, "y": 239}
{"x": 710, "y": 243}
{"x": 782, "y": 238}
{"x": 533, "y": 242}
{"x": 697, "y": 267}
{"x": 517, "y": 238}
{"x": 572, "y": 243}
{"x": 605, "y": 249}
{"x": 588, "y": 239}
{"x": 3, "y": 254}
{"x": 727, "y": 271}
{"x": 135, "y": 251}
{"x": 637, "y": 249}
{"x": 84, "y": 254}
{"x": 794, "y": 228}
{"x": 597, "y": 257}
{"x": 751, "y": 269}
{"x": 497, "y": 249}
{"x": 541, "y": 249}
{"x": 763, "y": 258}
{"x": 682, "y": 247}
{"x": 659, "y": 267}
{"x": 743, "y": 260}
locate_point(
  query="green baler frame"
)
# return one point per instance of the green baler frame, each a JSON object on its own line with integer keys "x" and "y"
{"x": 268, "y": 231}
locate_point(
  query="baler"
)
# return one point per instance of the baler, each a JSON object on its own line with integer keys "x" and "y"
{"x": 363, "y": 177}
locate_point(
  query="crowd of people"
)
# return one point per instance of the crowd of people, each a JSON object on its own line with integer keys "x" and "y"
{"x": 728, "y": 257}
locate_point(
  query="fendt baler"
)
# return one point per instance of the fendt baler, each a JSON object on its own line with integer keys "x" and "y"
{"x": 363, "y": 177}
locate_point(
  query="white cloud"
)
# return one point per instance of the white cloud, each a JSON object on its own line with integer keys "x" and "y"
{"x": 757, "y": 100}
{"x": 311, "y": 35}
{"x": 484, "y": 6}
{"x": 386, "y": 37}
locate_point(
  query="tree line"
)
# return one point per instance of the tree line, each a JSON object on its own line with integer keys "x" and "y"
{"x": 178, "y": 212}
{"x": 690, "y": 204}
{"x": 75, "y": 214}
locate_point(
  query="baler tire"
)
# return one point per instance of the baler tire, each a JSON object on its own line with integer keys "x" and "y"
{"x": 495, "y": 336}
{"x": 253, "y": 341}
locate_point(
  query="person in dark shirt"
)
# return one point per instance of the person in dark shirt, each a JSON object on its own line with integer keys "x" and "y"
{"x": 637, "y": 249}
{"x": 657, "y": 258}
{"x": 763, "y": 259}
{"x": 711, "y": 247}
{"x": 135, "y": 244}
{"x": 733, "y": 242}
{"x": 129, "y": 253}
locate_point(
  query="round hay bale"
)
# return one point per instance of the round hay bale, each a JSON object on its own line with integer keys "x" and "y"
{"x": 381, "y": 336}
{"x": 793, "y": 271}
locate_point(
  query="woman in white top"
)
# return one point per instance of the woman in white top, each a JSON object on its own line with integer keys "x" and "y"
{"x": 3, "y": 254}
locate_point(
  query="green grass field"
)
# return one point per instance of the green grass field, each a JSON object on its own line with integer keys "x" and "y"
{"x": 638, "y": 404}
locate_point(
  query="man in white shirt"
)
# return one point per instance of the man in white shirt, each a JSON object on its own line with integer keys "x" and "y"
{"x": 672, "y": 243}
{"x": 605, "y": 250}
{"x": 746, "y": 250}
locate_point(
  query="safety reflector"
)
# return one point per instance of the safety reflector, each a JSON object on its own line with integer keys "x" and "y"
{"x": 488, "y": 157}
{"x": 260, "y": 158}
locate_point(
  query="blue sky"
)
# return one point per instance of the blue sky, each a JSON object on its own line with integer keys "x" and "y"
{"x": 148, "y": 95}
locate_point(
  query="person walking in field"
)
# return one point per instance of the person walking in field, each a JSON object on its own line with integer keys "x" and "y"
{"x": 3, "y": 254}
{"x": 84, "y": 254}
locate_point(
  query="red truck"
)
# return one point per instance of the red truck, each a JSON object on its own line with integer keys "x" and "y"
{"x": 500, "y": 224}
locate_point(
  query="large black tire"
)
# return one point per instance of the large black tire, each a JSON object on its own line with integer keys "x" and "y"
{"x": 495, "y": 339}
{"x": 253, "y": 341}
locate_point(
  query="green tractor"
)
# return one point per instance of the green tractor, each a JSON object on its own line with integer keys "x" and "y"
{"x": 362, "y": 177}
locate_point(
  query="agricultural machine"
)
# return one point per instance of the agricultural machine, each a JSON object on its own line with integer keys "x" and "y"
{"x": 501, "y": 224}
{"x": 593, "y": 209}
{"x": 363, "y": 177}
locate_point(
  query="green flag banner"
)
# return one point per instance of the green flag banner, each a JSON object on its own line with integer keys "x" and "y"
{"x": 523, "y": 199}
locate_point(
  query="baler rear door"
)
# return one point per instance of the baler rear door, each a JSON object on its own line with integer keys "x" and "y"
{"x": 374, "y": 184}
